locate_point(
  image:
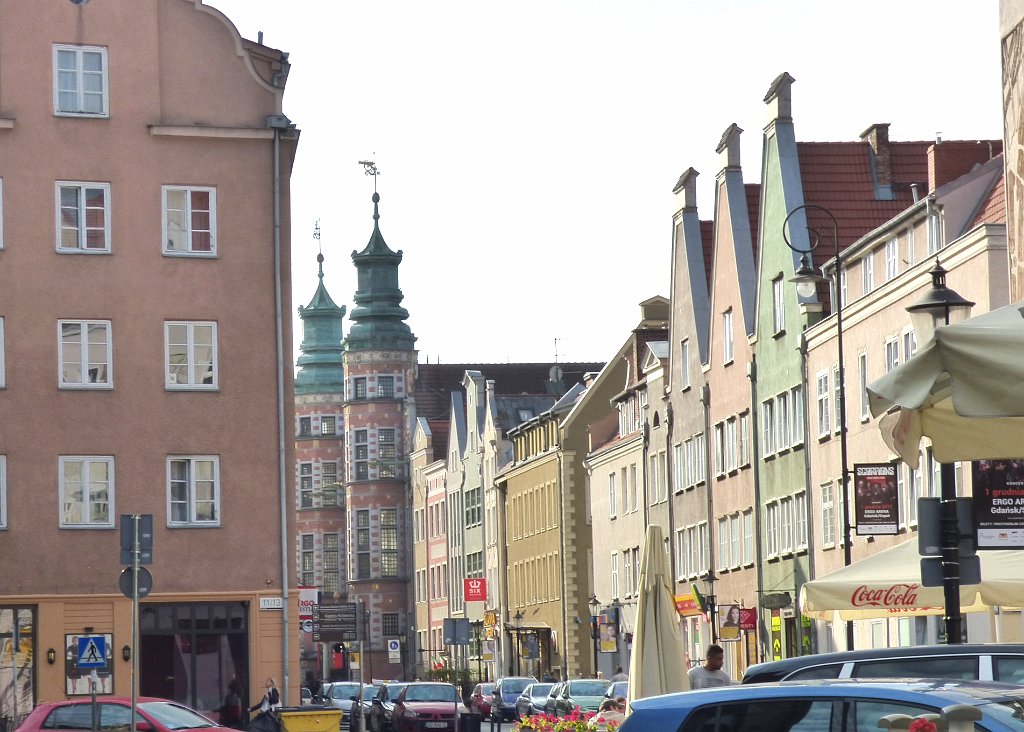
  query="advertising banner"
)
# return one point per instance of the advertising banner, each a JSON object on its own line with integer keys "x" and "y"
{"x": 876, "y": 499}
{"x": 748, "y": 618}
{"x": 999, "y": 503}
{"x": 687, "y": 606}
{"x": 475, "y": 589}
{"x": 729, "y": 622}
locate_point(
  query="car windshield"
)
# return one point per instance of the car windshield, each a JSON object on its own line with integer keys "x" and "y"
{"x": 344, "y": 691}
{"x": 393, "y": 690}
{"x": 486, "y": 689}
{"x": 541, "y": 689}
{"x": 514, "y": 686}
{"x": 431, "y": 693}
{"x": 368, "y": 692}
{"x": 588, "y": 688}
{"x": 175, "y": 716}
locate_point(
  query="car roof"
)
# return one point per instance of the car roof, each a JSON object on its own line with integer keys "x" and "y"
{"x": 788, "y": 665}
{"x": 937, "y": 692}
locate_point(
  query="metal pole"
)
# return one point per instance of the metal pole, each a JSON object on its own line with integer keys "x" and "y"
{"x": 135, "y": 617}
{"x": 950, "y": 541}
{"x": 844, "y": 461}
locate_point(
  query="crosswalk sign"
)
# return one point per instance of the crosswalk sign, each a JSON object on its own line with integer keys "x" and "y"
{"x": 92, "y": 651}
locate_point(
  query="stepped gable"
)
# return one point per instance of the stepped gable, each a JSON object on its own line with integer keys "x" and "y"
{"x": 436, "y": 382}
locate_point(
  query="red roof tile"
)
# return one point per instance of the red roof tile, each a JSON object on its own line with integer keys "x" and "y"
{"x": 993, "y": 210}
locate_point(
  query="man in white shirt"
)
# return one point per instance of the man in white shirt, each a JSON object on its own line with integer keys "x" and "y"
{"x": 711, "y": 673}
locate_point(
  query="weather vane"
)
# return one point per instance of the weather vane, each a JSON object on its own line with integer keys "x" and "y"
{"x": 370, "y": 168}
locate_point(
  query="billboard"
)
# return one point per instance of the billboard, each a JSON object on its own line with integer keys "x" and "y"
{"x": 876, "y": 499}
{"x": 999, "y": 503}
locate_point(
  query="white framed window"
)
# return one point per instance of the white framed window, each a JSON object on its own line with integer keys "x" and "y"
{"x": 720, "y": 448}
{"x": 743, "y": 437}
{"x": 797, "y": 402}
{"x": 892, "y": 354}
{"x": 684, "y": 359}
{"x": 771, "y": 522}
{"x": 190, "y": 220}
{"x": 837, "y": 384}
{"x": 824, "y": 411}
{"x": 678, "y": 468}
{"x": 778, "y": 305}
{"x": 786, "y": 524}
{"x": 731, "y": 457}
{"x": 690, "y": 473}
{"x": 627, "y": 573}
{"x": 768, "y": 427}
{"x": 85, "y": 354}
{"x": 909, "y": 345}
{"x": 727, "y": 345}
{"x": 682, "y": 569}
{"x": 703, "y": 548}
{"x": 748, "y": 536}
{"x": 862, "y": 372}
{"x": 612, "y": 496}
{"x": 724, "y": 560}
{"x": 934, "y": 232}
{"x": 844, "y": 290}
{"x": 86, "y": 491}
{"x": 663, "y": 473}
{"x": 653, "y": 478}
{"x": 193, "y": 490}
{"x": 80, "y": 81}
{"x": 190, "y": 354}
{"x": 800, "y": 520}
{"x": 910, "y": 246}
{"x": 892, "y": 258}
{"x": 913, "y": 481}
{"x": 828, "y": 515}
{"x": 634, "y": 494}
{"x": 615, "y": 574}
{"x": 867, "y": 273}
{"x": 83, "y": 217}
{"x": 3, "y": 491}
{"x": 700, "y": 449}
{"x": 782, "y": 432}
{"x": 736, "y": 538}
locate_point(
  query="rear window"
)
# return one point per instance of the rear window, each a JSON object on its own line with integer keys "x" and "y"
{"x": 79, "y": 716}
{"x": 768, "y": 715}
{"x": 941, "y": 667}
{"x": 514, "y": 686}
{"x": 1008, "y": 669}
{"x": 831, "y": 671}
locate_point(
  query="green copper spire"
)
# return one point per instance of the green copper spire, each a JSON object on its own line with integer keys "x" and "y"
{"x": 320, "y": 369}
{"x": 378, "y": 317}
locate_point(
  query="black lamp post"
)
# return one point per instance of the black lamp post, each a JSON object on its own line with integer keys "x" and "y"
{"x": 595, "y": 627}
{"x": 518, "y": 618}
{"x": 806, "y": 281}
{"x": 941, "y": 306}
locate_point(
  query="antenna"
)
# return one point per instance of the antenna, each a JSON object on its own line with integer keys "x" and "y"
{"x": 316, "y": 235}
{"x": 370, "y": 168}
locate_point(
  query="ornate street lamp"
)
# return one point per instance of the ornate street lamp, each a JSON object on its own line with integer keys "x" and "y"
{"x": 806, "y": 281}
{"x": 595, "y": 627}
{"x": 518, "y": 623}
{"x": 939, "y": 307}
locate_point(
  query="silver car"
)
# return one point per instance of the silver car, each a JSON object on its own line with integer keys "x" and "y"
{"x": 339, "y": 695}
{"x": 532, "y": 700}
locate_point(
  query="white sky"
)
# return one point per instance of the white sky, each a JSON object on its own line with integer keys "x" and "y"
{"x": 528, "y": 149}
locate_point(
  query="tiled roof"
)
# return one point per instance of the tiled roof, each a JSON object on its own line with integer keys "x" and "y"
{"x": 993, "y": 210}
{"x": 439, "y": 437}
{"x": 437, "y": 381}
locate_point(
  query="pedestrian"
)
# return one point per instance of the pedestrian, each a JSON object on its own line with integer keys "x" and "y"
{"x": 711, "y": 673}
{"x": 620, "y": 675}
{"x": 271, "y": 700}
{"x": 314, "y": 687}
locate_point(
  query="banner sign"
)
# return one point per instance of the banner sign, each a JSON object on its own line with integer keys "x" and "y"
{"x": 876, "y": 499}
{"x": 748, "y": 618}
{"x": 309, "y": 598}
{"x": 729, "y": 622}
{"x": 999, "y": 503}
{"x": 687, "y": 606}
{"x": 475, "y": 589}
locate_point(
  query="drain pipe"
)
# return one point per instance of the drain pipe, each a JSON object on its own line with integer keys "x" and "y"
{"x": 755, "y": 443}
{"x": 278, "y": 122}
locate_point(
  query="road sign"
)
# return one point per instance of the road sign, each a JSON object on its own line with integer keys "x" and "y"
{"x": 333, "y": 623}
{"x": 145, "y": 538}
{"x": 92, "y": 651}
{"x": 124, "y": 582}
{"x": 394, "y": 650}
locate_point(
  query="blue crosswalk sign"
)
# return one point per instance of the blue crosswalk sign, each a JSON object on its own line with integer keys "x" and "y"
{"x": 92, "y": 651}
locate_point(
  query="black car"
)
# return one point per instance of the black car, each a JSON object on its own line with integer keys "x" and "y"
{"x": 381, "y": 706}
{"x": 986, "y": 662}
{"x": 506, "y": 691}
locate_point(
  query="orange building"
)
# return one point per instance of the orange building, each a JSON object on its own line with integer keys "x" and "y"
{"x": 144, "y": 356}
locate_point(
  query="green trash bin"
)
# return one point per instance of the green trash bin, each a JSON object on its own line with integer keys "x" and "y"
{"x": 310, "y": 718}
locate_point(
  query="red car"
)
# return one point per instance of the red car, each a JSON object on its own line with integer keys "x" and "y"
{"x": 427, "y": 705}
{"x": 480, "y": 699}
{"x": 154, "y": 715}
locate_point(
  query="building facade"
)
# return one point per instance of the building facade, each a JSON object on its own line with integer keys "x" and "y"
{"x": 145, "y": 163}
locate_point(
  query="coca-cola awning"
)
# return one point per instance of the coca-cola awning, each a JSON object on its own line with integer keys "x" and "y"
{"x": 888, "y": 584}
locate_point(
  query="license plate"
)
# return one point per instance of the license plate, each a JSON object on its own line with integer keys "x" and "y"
{"x": 436, "y": 725}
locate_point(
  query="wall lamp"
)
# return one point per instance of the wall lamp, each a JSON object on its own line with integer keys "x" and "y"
{"x": 126, "y": 653}
{"x": 51, "y": 656}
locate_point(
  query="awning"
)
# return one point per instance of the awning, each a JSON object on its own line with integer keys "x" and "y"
{"x": 888, "y": 584}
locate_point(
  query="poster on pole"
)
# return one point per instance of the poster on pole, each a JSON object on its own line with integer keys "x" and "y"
{"x": 876, "y": 499}
{"x": 999, "y": 503}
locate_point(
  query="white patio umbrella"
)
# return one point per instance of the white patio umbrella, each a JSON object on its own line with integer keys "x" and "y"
{"x": 963, "y": 390}
{"x": 656, "y": 665}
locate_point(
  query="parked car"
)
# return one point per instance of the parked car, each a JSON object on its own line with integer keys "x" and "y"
{"x": 987, "y": 662}
{"x": 506, "y": 691}
{"x": 851, "y": 705}
{"x": 381, "y": 707}
{"x": 427, "y": 705}
{"x": 617, "y": 689}
{"x": 551, "y": 703}
{"x": 154, "y": 715}
{"x": 480, "y": 699}
{"x": 532, "y": 700}
{"x": 587, "y": 694}
{"x": 339, "y": 694}
{"x": 305, "y": 696}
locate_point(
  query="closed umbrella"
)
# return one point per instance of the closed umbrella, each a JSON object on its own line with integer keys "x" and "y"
{"x": 656, "y": 665}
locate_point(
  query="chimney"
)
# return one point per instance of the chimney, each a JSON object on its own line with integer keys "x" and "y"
{"x": 729, "y": 147}
{"x": 780, "y": 98}
{"x": 877, "y": 136}
{"x": 686, "y": 191}
{"x": 949, "y": 160}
